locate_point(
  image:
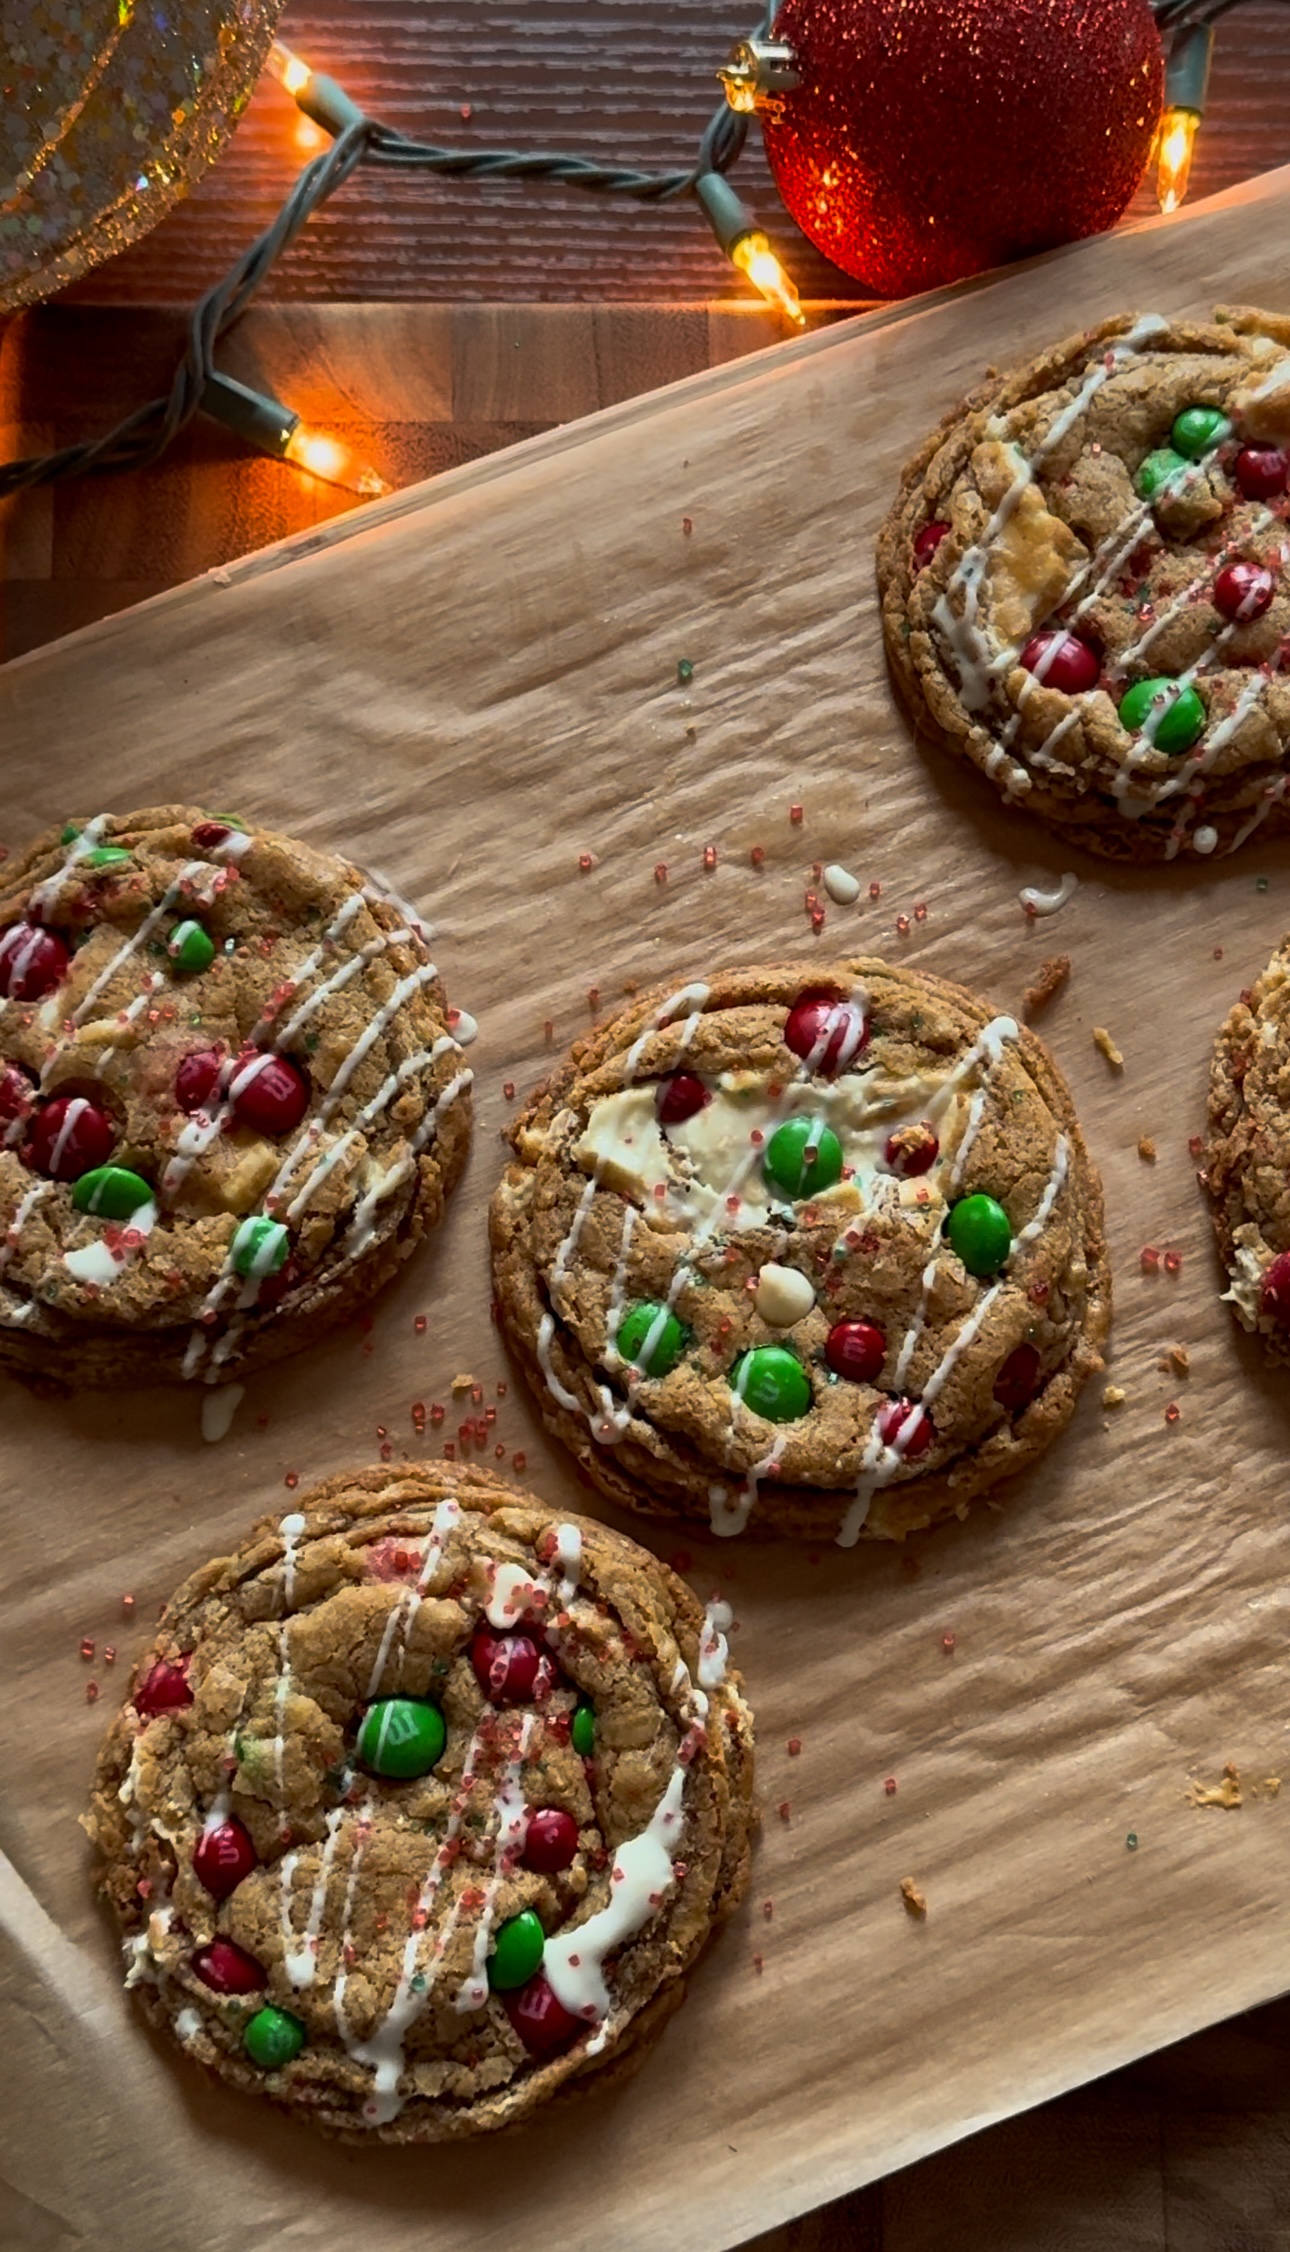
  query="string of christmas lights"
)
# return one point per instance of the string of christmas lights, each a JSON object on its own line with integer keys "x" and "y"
{"x": 756, "y": 75}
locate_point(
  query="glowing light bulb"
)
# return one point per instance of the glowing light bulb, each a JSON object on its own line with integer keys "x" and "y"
{"x": 288, "y": 68}
{"x": 321, "y": 455}
{"x": 754, "y": 257}
{"x": 1177, "y": 140}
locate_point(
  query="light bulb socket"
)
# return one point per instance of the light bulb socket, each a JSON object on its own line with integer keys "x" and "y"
{"x": 728, "y": 214}
{"x": 328, "y": 104}
{"x": 254, "y": 416}
{"x": 756, "y": 73}
{"x": 1187, "y": 69}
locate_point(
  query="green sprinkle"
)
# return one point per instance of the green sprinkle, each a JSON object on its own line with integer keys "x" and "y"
{"x": 70, "y": 834}
{"x": 583, "y": 1731}
{"x": 684, "y": 671}
{"x": 1262, "y": 884}
{"x": 1132, "y": 1841}
{"x": 419, "y": 1983}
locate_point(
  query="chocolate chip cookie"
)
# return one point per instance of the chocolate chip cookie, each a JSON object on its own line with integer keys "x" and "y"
{"x": 1084, "y": 584}
{"x": 819, "y": 1252}
{"x": 231, "y": 1098}
{"x": 423, "y": 1805}
{"x": 1247, "y": 1159}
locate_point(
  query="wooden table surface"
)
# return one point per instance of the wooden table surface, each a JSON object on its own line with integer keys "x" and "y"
{"x": 480, "y": 340}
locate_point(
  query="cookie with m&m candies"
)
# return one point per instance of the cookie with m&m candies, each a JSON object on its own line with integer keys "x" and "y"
{"x": 1246, "y": 1155}
{"x": 853, "y": 1278}
{"x": 1084, "y": 585}
{"x": 366, "y": 1865}
{"x": 231, "y": 1097}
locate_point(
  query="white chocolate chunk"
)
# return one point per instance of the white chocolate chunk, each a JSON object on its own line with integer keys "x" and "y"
{"x": 784, "y": 1295}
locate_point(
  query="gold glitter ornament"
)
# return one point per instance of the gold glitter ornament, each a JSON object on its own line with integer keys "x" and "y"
{"x": 111, "y": 110}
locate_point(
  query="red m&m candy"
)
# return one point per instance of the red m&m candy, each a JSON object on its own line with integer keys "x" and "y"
{"x": 1018, "y": 1379}
{"x": 826, "y": 1032}
{"x": 224, "y": 1855}
{"x": 1244, "y": 591}
{"x": 926, "y": 542}
{"x": 1061, "y": 660}
{"x": 680, "y": 1097}
{"x": 69, "y": 1136}
{"x": 911, "y": 1150}
{"x": 208, "y": 834}
{"x": 1261, "y": 472}
{"x": 542, "y": 2022}
{"x": 228, "y": 1968}
{"x": 856, "y": 1350}
{"x": 551, "y": 1842}
{"x": 1274, "y": 1297}
{"x": 510, "y": 1668}
{"x": 164, "y": 1688}
{"x": 197, "y": 1078}
{"x": 32, "y": 962}
{"x": 269, "y": 1093}
{"x": 907, "y": 1427}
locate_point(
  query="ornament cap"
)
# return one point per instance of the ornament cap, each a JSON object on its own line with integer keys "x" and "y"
{"x": 756, "y": 72}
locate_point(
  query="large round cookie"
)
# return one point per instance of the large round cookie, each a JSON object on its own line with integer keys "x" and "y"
{"x": 424, "y": 1804}
{"x": 1247, "y": 1160}
{"x": 816, "y": 1251}
{"x": 1084, "y": 591}
{"x": 230, "y": 1102}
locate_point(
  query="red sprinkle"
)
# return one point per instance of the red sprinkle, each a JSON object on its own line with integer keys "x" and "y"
{"x": 548, "y": 1028}
{"x": 508, "y": 1089}
{"x": 817, "y": 919}
{"x": 127, "y": 1603}
{"x": 768, "y": 1909}
{"x": 794, "y": 1746}
{"x": 920, "y": 911}
{"x": 709, "y": 856}
{"x": 1149, "y": 1258}
{"x": 875, "y": 891}
{"x": 419, "y": 1324}
{"x": 890, "y": 1786}
{"x": 585, "y": 862}
{"x": 436, "y": 1412}
{"x": 500, "y": 1451}
{"x": 1172, "y": 1412}
{"x": 593, "y": 996}
{"x": 1195, "y": 1145}
{"x": 757, "y": 855}
{"x": 947, "y": 1642}
{"x": 109, "y": 1654}
{"x": 660, "y": 871}
{"x": 501, "y": 1388}
{"x": 87, "y": 1648}
{"x": 687, "y": 526}
{"x": 519, "y": 1459}
{"x": 1173, "y": 1261}
{"x": 91, "y": 1692}
{"x": 902, "y": 926}
{"x": 795, "y": 815}
{"x": 449, "y": 1450}
{"x": 786, "y": 1810}
{"x": 292, "y": 1479}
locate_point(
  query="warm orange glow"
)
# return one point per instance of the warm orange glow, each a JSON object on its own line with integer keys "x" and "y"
{"x": 753, "y": 256}
{"x": 1177, "y": 139}
{"x": 336, "y": 463}
{"x": 288, "y": 69}
{"x": 308, "y": 137}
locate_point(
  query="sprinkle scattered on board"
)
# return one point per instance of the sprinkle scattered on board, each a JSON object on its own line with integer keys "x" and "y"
{"x": 915, "y": 1901}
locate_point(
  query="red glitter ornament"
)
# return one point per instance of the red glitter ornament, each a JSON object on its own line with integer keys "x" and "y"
{"x": 928, "y": 139}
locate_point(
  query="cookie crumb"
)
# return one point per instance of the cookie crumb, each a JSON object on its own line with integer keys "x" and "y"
{"x": 915, "y": 1903}
{"x": 463, "y": 1384}
{"x": 1272, "y": 1784}
{"x": 1226, "y": 1793}
{"x": 1114, "y": 1395}
{"x": 1105, "y": 1044}
{"x": 1053, "y": 973}
{"x": 1179, "y": 1359}
{"x": 1147, "y": 1150}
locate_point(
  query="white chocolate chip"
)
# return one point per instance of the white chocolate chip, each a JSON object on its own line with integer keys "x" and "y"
{"x": 840, "y": 884}
{"x": 784, "y": 1296}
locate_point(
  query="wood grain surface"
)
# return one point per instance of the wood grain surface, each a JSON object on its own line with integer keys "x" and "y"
{"x": 613, "y": 79}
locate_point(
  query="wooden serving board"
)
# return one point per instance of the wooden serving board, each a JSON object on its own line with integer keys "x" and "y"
{"x": 469, "y": 688}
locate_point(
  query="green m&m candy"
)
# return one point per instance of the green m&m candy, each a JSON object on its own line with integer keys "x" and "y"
{"x": 772, "y": 1382}
{"x": 981, "y": 1232}
{"x": 272, "y": 2038}
{"x": 1197, "y": 430}
{"x": 111, "y": 1191}
{"x": 517, "y": 1951}
{"x": 583, "y": 1731}
{"x": 402, "y": 1737}
{"x": 259, "y": 1248}
{"x": 106, "y": 856}
{"x": 1172, "y": 717}
{"x": 190, "y": 948}
{"x": 803, "y": 1156}
{"x": 1159, "y": 466}
{"x": 651, "y": 1337}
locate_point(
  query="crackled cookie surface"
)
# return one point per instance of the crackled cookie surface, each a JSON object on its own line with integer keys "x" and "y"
{"x": 816, "y": 1252}
{"x": 230, "y": 1099}
{"x": 1247, "y": 1160}
{"x": 423, "y": 1805}
{"x": 1084, "y": 584}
